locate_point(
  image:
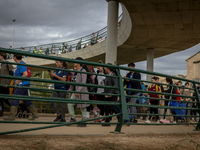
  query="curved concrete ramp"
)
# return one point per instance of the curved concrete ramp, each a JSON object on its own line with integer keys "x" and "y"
{"x": 166, "y": 26}
{"x": 92, "y": 53}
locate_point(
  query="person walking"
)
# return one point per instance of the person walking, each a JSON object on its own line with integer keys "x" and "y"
{"x": 61, "y": 76}
{"x": 187, "y": 92}
{"x": 6, "y": 69}
{"x": 78, "y": 78}
{"x": 21, "y": 71}
{"x": 109, "y": 81}
{"x": 133, "y": 85}
{"x": 171, "y": 90}
{"x": 155, "y": 88}
{"x": 100, "y": 80}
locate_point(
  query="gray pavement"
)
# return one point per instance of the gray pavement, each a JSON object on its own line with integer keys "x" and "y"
{"x": 92, "y": 129}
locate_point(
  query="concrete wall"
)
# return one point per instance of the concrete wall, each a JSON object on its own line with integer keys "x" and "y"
{"x": 193, "y": 70}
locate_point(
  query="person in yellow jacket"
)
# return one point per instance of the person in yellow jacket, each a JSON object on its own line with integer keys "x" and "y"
{"x": 40, "y": 51}
{"x": 35, "y": 51}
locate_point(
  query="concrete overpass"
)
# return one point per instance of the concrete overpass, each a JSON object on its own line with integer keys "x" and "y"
{"x": 151, "y": 28}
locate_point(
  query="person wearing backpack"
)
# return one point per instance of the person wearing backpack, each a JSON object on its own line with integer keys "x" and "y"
{"x": 6, "y": 69}
{"x": 79, "y": 78}
{"x": 61, "y": 76}
{"x": 21, "y": 71}
{"x": 154, "y": 88}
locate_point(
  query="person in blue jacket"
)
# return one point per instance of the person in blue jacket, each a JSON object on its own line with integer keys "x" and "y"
{"x": 132, "y": 85}
{"x": 61, "y": 76}
{"x": 21, "y": 71}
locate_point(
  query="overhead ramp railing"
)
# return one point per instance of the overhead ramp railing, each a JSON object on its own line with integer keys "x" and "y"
{"x": 72, "y": 45}
{"x": 122, "y": 105}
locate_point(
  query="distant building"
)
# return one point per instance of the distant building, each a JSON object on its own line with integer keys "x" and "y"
{"x": 193, "y": 70}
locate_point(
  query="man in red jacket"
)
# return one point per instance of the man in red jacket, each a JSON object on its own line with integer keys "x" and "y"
{"x": 155, "y": 88}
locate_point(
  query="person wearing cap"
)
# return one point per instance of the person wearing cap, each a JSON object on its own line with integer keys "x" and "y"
{"x": 78, "y": 78}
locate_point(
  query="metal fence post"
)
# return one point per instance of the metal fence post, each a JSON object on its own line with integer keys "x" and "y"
{"x": 63, "y": 47}
{"x": 197, "y": 100}
{"x": 123, "y": 109}
{"x": 97, "y": 37}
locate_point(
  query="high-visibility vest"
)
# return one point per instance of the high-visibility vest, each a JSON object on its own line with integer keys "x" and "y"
{"x": 40, "y": 51}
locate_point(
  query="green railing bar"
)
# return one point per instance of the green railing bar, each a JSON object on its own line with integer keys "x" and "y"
{"x": 158, "y": 83}
{"x": 35, "y": 122}
{"x": 161, "y": 107}
{"x": 90, "y": 63}
{"x": 57, "y": 58}
{"x": 56, "y": 81}
{"x": 198, "y": 99}
{"x": 159, "y": 93}
{"x": 159, "y": 124}
{"x": 59, "y": 125}
{"x": 162, "y": 99}
{"x": 58, "y": 100}
{"x": 55, "y": 90}
{"x": 52, "y": 68}
{"x": 141, "y": 114}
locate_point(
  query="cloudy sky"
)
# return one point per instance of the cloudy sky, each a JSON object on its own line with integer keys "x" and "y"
{"x": 49, "y": 21}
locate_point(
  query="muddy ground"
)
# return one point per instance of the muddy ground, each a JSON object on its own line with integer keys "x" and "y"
{"x": 106, "y": 142}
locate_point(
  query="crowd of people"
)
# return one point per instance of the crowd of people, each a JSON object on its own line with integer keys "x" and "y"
{"x": 133, "y": 97}
{"x": 63, "y": 49}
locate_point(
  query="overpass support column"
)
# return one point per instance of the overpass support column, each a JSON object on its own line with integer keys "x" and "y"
{"x": 112, "y": 32}
{"x": 150, "y": 62}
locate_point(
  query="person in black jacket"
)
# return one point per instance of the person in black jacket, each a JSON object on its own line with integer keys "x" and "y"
{"x": 170, "y": 90}
{"x": 110, "y": 82}
{"x": 133, "y": 85}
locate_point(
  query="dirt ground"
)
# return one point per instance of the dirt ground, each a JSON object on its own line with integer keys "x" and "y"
{"x": 106, "y": 142}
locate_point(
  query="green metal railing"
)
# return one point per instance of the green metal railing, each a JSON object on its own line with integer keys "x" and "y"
{"x": 72, "y": 45}
{"x": 122, "y": 104}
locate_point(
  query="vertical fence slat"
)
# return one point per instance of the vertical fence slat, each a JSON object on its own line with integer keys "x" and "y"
{"x": 197, "y": 100}
{"x": 123, "y": 109}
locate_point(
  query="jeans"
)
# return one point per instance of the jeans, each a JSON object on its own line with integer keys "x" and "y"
{"x": 21, "y": 92}
{"x": 111, "y": 107}
{"x": 71, "y": 109}
{"x": 133, "y": 109}
{"x": 154, "y": 110}
{"x": 62, "y": 105}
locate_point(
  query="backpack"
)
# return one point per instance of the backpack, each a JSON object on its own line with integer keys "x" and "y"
{"x": 10, "y": 72}
{"x": 29, "y": 72}
{"x": 89, "y": 81}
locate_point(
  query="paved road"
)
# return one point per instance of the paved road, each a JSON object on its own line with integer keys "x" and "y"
{"x": 91, "y": 129}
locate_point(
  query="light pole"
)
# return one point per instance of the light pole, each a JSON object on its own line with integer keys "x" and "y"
{"x": 13, "y": 32}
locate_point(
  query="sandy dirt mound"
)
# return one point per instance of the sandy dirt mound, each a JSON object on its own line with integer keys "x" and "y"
{"x": 107, "y": 142}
